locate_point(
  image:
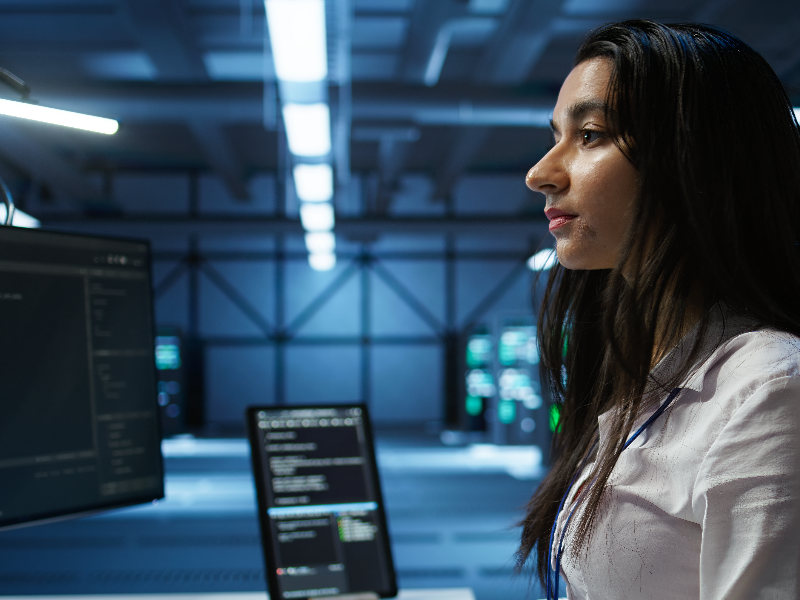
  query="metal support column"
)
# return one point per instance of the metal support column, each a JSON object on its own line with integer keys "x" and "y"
{"x": 280, "y": 318}
{"x": 366, "y": 350}
{"x": 194, "y": 352}
{"x": 452, "y": 372}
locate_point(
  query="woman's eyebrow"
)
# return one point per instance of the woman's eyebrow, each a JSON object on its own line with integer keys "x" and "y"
{"x": 579, "y": 110}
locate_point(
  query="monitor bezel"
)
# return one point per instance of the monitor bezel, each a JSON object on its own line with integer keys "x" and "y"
{"x": 19, "y": 522}
{"x": 259, "y": 474}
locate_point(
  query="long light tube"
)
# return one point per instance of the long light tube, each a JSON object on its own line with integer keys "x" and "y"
{"x": 313, "y": 183}
{"x": 297, "y": 34}
{"x": 317, "y": 216}
{"x": 321, "y": 242}
{"x": 543, "y": 260}
{"x": 308, "y": 128}
{"x": 322, "y": 262}
{"x": 54, "y": 116}
{"x": 21, "y": 219}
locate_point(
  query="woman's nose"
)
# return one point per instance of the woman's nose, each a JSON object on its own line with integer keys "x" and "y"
{"x": 548, "y": 176}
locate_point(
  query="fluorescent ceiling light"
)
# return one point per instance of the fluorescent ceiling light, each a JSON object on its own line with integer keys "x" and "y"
{"x": 297, "y": 34}
{"x": 543, "y": 260}
{"x": 21, "y": 219}
{"x": 313, "y": 183}
{"x": 55, "y": 116}
{"x": 317, "y": 216}
{"x": 321, "y": 242}
{"x": 308, "y": 128}
{"x": 322, "y": 262}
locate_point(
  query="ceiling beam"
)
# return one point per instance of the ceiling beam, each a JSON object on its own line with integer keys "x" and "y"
{"x": 427, "y": 19}
{"x": 220, "y": 155}
{"x": 245, "y": 105}
{"x": 392, "y": 158}
{"x": 466, "y": 146}
{"x": 519, "y": 42}
{"x": 777, "y": 44}
{"x": 42, "y": 164}
{"x": 394, "y": 147}
{"x": 519, "y": 226}
{"x": 713, "y": 11}
{"x": 163, "y": 32}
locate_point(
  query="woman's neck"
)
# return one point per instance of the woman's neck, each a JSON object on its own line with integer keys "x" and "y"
{"x": 666, "y": 340}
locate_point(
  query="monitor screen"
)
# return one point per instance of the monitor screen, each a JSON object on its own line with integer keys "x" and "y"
{"x": 79, "y": 420}
{"x": 322, "y": 521}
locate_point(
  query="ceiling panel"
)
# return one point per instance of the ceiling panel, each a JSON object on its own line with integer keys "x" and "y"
{"x": 379, "y": 32}
{"x": 556, "y": 62}
{"x": 53, "y": 29}
{"x": 383, "y": 6}
{"x": 107, "y": 61}
{"x": 374, "y": 66}
{"x": 132, "y": 65}
{"x": 227, "y": 30}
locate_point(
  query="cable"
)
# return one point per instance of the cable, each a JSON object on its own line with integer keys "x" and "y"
{"x": 9, "y": 202}
{"x": 22, "y": 88}
{"x": 16, "y": 84}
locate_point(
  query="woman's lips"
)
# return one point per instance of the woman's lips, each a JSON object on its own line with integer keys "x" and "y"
{"x": 559, "y": 221}
{"x": 558, "y": 218}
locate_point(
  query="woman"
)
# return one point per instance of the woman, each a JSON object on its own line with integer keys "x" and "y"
{"x": 673, "y": 193}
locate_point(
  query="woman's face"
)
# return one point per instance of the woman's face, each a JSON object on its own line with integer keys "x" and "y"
{"x": 589, "y": 186}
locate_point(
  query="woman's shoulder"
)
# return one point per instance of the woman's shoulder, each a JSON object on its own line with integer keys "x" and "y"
{"x": 751, "y": 359}
{"x": 764, "y": 349}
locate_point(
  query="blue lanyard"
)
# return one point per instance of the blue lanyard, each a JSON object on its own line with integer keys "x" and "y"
{"x": 553, "y": 579}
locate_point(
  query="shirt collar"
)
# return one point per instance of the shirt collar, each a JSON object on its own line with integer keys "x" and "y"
{"x": 723, "y": 325}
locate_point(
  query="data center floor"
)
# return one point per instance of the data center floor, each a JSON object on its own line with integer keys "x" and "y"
{"x": 451, "y": 510}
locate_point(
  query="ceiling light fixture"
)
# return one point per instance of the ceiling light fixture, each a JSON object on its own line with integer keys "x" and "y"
{"x": 321, "y": 242}
{"x": 313, "y": 183}
{"x": 21, "y": 219}
{"x": 317, "y": 216}
{"x": 543, "y": 260}
{"x": 299, "y": 43}
{"x": 54, "y": 116}
{"x": 308, "y": 128}
{"x": 322, "y": 262}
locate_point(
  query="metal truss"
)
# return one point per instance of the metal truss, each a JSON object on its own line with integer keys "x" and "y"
{"x": 280, "y": 333}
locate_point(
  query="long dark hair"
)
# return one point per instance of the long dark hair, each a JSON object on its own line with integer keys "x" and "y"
{"x": 711, "y": 131}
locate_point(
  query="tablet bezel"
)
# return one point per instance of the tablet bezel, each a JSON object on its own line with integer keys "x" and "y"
{"x": 260, "y": 476}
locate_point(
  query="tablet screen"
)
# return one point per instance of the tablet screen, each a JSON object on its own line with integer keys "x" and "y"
{"x": 322, "y": 522}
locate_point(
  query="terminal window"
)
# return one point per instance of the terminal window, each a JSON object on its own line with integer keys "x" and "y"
{"x": 322, "y": 498}
{"x": 78, "y": 414}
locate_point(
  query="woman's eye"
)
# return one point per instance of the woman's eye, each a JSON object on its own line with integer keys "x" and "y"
{"x": 588, "y": 136}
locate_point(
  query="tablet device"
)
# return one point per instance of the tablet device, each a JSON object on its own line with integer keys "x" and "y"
{"x": 323, "y": 526}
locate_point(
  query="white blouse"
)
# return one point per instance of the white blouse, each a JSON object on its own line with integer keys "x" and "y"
{"x": 706, "y": 502}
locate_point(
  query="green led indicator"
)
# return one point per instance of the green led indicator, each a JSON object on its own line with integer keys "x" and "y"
{"x": 479, "y": 351}
{"x": 506, "y": 411}
{"x": 555, "y": 417}
{"x": 168, "y": 356}
{"x": 474, "y": 406}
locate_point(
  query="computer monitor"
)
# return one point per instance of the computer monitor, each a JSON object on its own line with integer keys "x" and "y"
{"x": 323, "y": 525}
{"x": 79, "y": 418}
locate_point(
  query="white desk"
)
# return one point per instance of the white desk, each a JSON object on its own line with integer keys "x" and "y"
{"x": 431, "y": 594}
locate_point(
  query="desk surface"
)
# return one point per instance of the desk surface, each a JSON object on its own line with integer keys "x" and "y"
{"x": 417, "y": 594}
